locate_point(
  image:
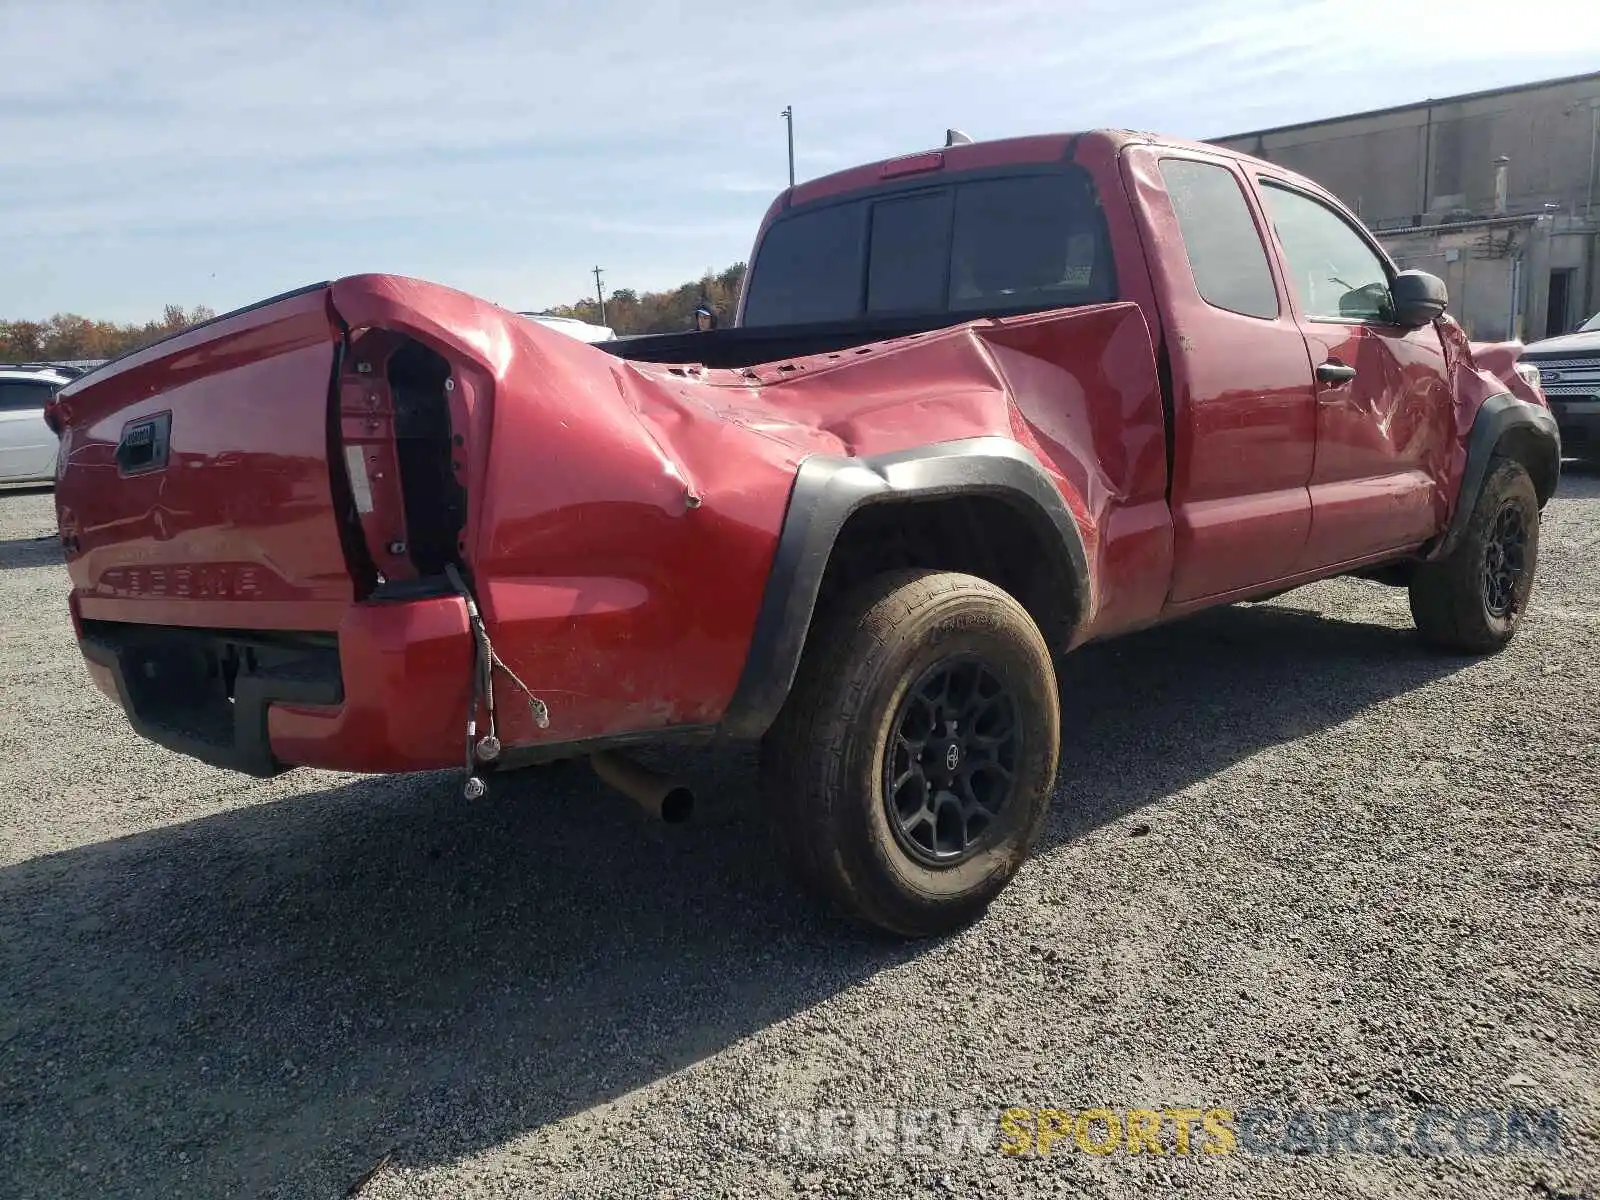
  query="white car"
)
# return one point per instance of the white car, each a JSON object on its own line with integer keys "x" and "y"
{"x": 573, "y": 327}
{"x": 27, "y": 447}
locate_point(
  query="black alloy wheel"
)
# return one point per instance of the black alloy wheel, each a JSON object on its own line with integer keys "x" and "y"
{"x": 950, "y": 768}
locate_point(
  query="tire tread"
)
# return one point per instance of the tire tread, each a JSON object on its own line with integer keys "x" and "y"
{"x": 805, "y": 771}
{"x": 1446, "y": 597}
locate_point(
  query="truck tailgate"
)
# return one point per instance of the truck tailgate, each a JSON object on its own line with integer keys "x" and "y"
{"x": 195, "y": 486}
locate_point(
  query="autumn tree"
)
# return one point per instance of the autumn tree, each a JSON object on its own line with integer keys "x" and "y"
{"x": 68, "y": 336}
{"x": 671, "y": 311}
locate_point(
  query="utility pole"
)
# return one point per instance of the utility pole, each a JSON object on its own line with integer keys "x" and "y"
{"x": 788, "y": 119}
{"x": 1594, "y": 140}
{"x": 600, "y": 295}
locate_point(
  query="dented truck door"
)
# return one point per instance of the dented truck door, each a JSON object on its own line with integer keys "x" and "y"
{"x": 1385, "y": 421}
{"x": 1243, "y": 412}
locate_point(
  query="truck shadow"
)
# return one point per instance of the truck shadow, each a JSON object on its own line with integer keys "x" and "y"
{"x": 1146, "y": 716}
{"x": 1578, "y": 478}
{"x": 43, "y": 551}
{"x": 273, "y": 997}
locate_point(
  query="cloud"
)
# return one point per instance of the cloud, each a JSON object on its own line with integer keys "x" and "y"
{"x": 202, "y": 151}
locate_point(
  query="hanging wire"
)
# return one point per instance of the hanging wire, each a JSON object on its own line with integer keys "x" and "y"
{"x": 484, "y": 662}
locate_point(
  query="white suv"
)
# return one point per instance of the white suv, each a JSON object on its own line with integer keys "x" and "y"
{"x": 27, "y": 447}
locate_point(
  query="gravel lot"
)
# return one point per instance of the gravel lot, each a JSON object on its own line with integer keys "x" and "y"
{"x": 1369, "y": 877}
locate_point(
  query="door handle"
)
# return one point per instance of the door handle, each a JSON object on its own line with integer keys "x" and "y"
{"x": 143, "y": 446}
{"x": 1335, "y": 372}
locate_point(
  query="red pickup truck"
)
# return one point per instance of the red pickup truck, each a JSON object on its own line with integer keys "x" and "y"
{"x": 981, "y": 405}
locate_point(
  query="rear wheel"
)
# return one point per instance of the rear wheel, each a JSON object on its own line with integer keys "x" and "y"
{"x": 1472, "y": 600}
{"x": 910, "y": 771}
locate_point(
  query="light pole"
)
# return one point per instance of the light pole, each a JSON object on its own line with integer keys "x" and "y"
{"x": 599, "y": 295}
{"x": 788, "y": 119}
{"x": 1594, "y": 140}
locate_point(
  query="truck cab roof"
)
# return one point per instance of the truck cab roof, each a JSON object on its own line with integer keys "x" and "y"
{"x": 1001, "y": 152}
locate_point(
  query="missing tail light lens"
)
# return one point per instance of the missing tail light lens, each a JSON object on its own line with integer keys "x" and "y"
{"x": 399, "y": 441}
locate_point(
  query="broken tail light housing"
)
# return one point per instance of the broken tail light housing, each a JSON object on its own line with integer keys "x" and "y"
{"x": 400, "y": 438}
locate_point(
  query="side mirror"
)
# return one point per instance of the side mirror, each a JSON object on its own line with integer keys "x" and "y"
{"x": 1419, "y": 298}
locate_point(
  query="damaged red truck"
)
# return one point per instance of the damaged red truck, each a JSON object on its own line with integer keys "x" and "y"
{"x": 981, "y": 405}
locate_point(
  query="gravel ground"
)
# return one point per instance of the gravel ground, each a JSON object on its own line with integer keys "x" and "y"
{"x": 1295, "y": 861}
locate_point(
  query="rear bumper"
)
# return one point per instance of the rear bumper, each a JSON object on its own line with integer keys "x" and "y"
{"x": 1579, "y": 421}
{"x": 388, "y": 692}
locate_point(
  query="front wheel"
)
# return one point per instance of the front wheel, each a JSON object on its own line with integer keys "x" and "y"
{"x": 910, "y": 771}
{"x": 1472, "y": 600}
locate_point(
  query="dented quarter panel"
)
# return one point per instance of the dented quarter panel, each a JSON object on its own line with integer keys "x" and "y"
{"x": 624, "y": 540}
{"x": 626, "y": 518}
{"x": 1077, "y": 388}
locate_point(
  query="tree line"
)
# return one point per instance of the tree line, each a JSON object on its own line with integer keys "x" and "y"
{"x": 628, "y": 311}
{"x": 68, "y": 336}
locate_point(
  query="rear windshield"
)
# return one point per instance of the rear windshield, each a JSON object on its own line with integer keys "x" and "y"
{"x": 19, "y": 394}
{"x": 986, "y": 245}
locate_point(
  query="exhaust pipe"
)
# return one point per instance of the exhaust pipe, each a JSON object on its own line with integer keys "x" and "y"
{"x": 662, "y": 796}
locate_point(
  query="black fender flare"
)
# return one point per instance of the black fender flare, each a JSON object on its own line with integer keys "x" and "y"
{"x": 827, "y": 491}
{"x": 1517, "y": 429}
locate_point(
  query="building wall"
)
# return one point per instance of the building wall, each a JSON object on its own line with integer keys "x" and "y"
{"x": 1438, "y": 156}
{"x": 1477, "y": 266}
{"x": 1499, "y": 273}
{"x": 1410, "y": 173}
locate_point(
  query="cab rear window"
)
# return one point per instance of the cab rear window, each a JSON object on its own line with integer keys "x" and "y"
{"x": 980, "y": 245}
{"x": 809, "y": 268}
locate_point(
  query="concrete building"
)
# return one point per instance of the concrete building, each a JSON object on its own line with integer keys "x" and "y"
{"x": 1496, "y": 192}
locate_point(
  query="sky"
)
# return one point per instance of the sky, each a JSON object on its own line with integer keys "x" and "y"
{"x": 218, "y": 153}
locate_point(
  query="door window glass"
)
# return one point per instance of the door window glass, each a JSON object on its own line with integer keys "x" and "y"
{"x": 1226, "y": 256}
{"x": 1333, "y": 272}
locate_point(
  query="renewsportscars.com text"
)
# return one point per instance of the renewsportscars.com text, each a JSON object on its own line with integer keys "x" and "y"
{"x": 1179, "y": 1130}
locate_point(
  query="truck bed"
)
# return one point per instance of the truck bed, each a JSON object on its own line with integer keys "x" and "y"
{"x": 748, "y": 346}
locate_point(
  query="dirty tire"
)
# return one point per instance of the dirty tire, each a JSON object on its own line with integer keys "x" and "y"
{"x": 825, "y": 760}
{"x": 1472, "y": 600}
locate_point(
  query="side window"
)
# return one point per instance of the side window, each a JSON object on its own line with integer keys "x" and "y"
{"x": 1224, "y": 247}
{"x": 1334, "y": 273}
{"x": 910, "y": 243}
{"x": 1029, "y": 241}
{"x": 808, "y": 268}
{"x": 18, "y": 397}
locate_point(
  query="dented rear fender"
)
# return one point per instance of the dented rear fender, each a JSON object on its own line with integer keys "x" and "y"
{"x": 625, "y": 516}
